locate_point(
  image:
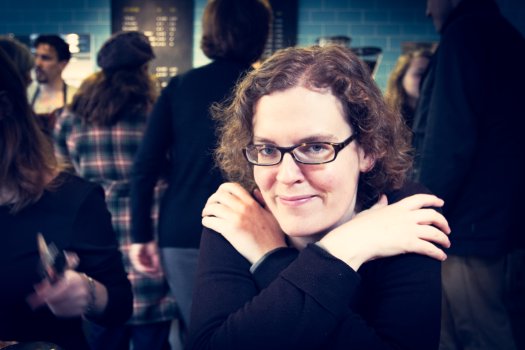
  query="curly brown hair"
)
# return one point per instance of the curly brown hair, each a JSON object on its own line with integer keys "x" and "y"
{"x": 381, "y": 132}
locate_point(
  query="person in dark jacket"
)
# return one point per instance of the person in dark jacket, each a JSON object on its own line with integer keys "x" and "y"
{"x": 179, "y": 142}
{"x": 38, "y": 303}
{"x": 468, "y": 138}
{"x": 334, "y": 249}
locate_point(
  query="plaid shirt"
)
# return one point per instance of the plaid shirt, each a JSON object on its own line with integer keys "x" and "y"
{"x": 104, "y": 154}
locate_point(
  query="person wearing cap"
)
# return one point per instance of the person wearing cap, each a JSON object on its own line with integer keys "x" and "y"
{"x": 51, "y": 93}
{"x": 98, "y": 135}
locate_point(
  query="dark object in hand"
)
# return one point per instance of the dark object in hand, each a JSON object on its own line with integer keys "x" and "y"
{"x": 52, "y": 260}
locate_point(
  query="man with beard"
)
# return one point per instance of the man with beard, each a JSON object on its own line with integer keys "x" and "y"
{"x": 51, "y": 93}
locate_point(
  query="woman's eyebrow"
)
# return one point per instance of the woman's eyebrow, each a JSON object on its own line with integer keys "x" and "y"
{"x": 310, "y": 138}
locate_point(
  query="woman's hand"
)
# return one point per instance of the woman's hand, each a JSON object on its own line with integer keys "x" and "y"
{"x": 408, "y": 226}
{"x": 70, "y": 296}
{"x": 243, "y": 221}
{"x": 145, "y": 258}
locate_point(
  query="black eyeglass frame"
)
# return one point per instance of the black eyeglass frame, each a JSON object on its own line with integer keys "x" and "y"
{"x": 338, "y": 146}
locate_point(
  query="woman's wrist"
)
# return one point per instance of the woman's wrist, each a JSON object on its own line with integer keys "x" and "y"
{"x": 257, "y": 263}
{"x": 92, "y": 295}
{"x": 344, "y": 247}
{"x": 97, "y": 297}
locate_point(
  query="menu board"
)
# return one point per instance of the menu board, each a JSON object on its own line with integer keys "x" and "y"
{"x": 284, "y": 26}
{"x": 169, "y": 26}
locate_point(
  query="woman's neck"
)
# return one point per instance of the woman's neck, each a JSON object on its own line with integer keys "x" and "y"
{"x": 300, "y": 243}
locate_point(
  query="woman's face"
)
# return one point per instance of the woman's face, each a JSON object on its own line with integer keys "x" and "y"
{"x": 307, "y": 200}
{"x": 412, "y": 77}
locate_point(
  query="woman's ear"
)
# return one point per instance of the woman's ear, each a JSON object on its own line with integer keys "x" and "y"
{"x": 366, "y": 162}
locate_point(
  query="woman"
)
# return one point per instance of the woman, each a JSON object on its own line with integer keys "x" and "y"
{"x": 317, "y": 258}
{"x": 36, "y": 197}
{"x": 99, "y": 136}
{"x": 402, "y": 91}
{"x": 181, "y": 129}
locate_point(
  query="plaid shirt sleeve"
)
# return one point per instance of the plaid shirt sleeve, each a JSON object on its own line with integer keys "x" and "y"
{"x": 104, "y": 154}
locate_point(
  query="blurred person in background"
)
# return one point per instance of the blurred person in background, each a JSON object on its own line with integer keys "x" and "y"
{"x": 468, "y": 137}
{"x": 99, "y": 136}
{"x": 179, "y": 141}
{"x": 38, "y": 303}
{"x": 51, "y": 93}
{"x": 403, "y": 86}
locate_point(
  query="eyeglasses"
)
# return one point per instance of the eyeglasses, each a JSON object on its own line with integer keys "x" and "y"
{"x": 304, "y": 153}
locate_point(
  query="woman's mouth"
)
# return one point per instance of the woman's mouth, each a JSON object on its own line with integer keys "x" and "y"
{"x": 294, "y": 201}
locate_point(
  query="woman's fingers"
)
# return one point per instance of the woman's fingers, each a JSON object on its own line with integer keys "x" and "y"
{"x": 232, "y": 196}
{"x": 418, "y": 201}
{"x": 434, "y": 235}
{"x": 430, "y": 216}
{"x": 426, "y": 248}
{"x": 243, "y": 221}
{"x": 221, "y": 212}
{"x": 216, "y": 224}
{"x": 72, "y": 260}
{"x": 69, "y": 296}
{"x": 407, "y": 226}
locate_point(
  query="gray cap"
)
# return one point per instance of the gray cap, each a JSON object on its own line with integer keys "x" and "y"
{"x": 124, "y": 50}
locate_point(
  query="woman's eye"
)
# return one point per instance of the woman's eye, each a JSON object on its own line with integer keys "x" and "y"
{"x": 316, "y": 148}
{"x": 267, "y": 151}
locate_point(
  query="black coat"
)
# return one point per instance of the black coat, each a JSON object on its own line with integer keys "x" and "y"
{"x": 179, "y": 141}
{"x": 469, "y": 125}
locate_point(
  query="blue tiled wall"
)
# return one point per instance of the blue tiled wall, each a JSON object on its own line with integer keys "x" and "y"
{"x": 384, "y": 23}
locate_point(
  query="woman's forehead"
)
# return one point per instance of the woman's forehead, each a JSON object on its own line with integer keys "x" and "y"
{"x": 300, "y": 113}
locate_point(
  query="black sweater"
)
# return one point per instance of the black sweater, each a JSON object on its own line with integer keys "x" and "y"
{"x": 74, "y": 217}
{"x": 179, "y": 142}
{"x": 312, "y": 300}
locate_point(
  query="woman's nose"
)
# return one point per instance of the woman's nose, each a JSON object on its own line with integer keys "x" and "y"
{"x": 289, "y": 170}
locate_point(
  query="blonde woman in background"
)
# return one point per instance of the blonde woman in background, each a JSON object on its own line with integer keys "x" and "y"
{"x": 402, "y": 91}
